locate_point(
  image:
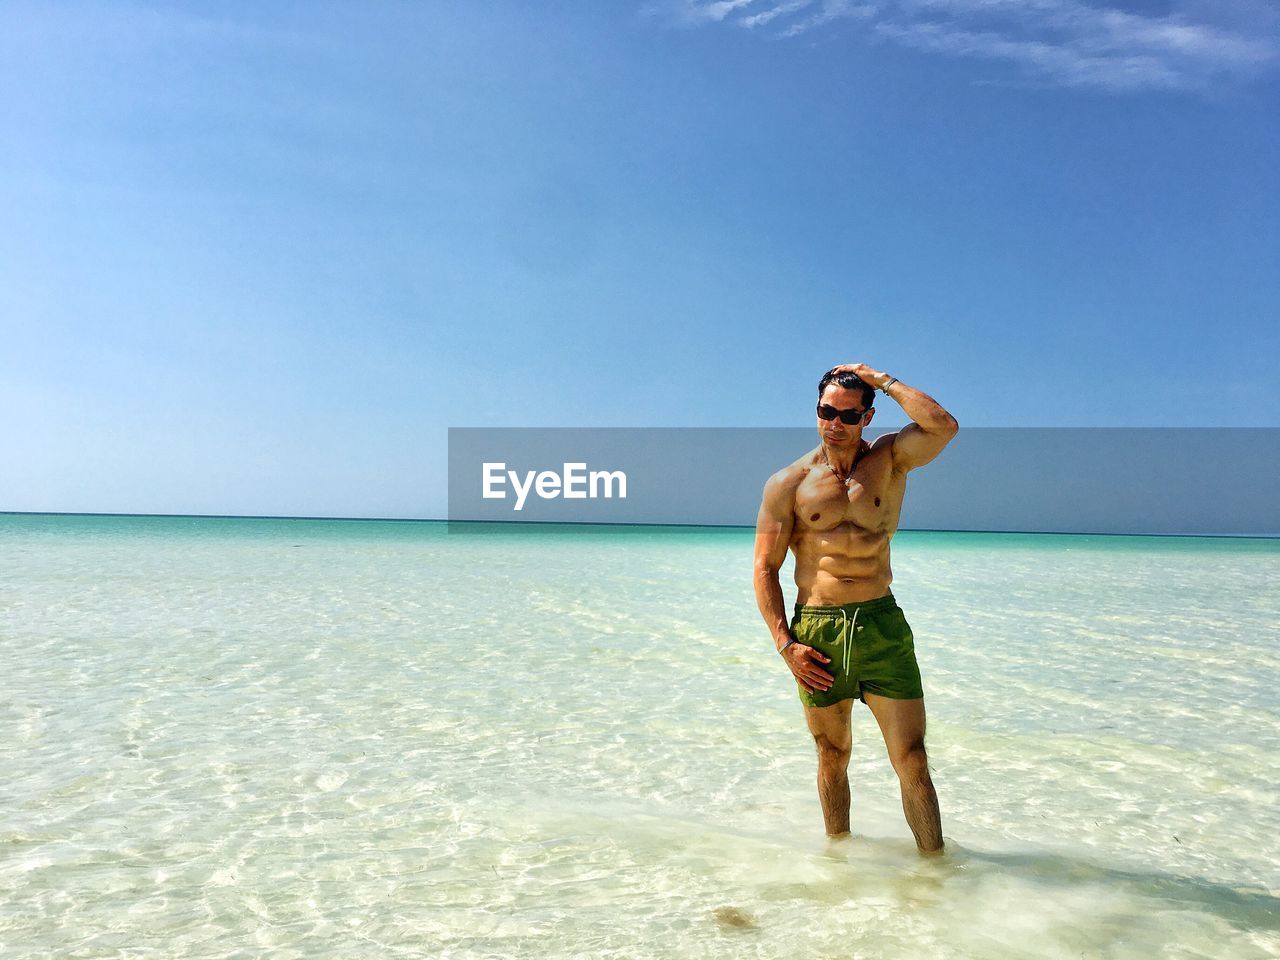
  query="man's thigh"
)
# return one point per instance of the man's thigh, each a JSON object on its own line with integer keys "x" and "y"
{"x": 830, "y": 725}
{"x": 901, "y": 723}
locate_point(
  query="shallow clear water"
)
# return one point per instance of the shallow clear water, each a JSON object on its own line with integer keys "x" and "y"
{"x": 374, "y": 739}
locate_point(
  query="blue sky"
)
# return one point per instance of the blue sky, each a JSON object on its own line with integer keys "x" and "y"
{"x": 257, "y": 258}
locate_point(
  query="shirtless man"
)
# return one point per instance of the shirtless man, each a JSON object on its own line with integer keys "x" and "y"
{"x": 836, "y": 508}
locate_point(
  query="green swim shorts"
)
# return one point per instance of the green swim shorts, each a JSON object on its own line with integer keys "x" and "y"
{"x": 871, "y": 648}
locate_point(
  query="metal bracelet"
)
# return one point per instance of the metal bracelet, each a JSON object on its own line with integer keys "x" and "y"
{"x": 787, "y": 644}
{"x": 888, "y": 383}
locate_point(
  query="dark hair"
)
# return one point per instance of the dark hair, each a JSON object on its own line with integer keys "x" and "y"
{"x": 849, "y": 382}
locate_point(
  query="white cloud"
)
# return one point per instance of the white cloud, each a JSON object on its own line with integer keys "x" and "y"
{"x": 1060, "y": 61}
{"x": 760, "y": 19}
{"x": 1068, "y": 42}
{"x": 694, "y": 12}
{"x": 721, "y": 8}
{"x": 831, "y": 10}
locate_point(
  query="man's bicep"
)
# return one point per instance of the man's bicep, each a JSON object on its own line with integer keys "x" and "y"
{"x": 914, "y": 446}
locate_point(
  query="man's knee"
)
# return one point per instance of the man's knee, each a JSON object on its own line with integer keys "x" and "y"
{"x": 911, "y": 763}
{"x": 833, "y": 751}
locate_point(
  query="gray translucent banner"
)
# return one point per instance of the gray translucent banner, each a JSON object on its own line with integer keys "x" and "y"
{"x": 1206, "y": 481}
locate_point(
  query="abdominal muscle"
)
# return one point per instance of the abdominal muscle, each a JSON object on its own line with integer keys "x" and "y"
{"x": 846, "y": 564}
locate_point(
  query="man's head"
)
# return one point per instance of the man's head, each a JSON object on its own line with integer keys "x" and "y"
{"x": 843, "y": 394}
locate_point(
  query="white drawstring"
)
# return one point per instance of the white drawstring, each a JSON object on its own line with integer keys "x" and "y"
{"x": 848, "y": 634}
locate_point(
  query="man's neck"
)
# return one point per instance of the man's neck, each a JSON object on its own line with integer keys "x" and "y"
{"x": 845, "y": 459}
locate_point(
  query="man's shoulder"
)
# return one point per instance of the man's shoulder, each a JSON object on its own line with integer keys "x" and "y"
{"x": 882, "y": 446}
{"x": 786, "y": 480}
{"x": 884, "y": 441}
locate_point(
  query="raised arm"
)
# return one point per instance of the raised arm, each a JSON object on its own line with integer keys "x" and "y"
{"x": 931, "y": 427}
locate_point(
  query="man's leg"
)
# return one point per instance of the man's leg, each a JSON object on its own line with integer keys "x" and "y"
{"x": 834, "y": 740}
{"x": 902, "y": 724}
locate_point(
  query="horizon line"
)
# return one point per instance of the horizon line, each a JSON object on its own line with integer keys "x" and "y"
{"x": 614, "y": 523}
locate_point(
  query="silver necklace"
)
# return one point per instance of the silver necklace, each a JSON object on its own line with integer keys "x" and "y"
{"x": 844, "y": 480}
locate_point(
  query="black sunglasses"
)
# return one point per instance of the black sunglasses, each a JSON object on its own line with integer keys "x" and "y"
{"x": 827, "y": 412}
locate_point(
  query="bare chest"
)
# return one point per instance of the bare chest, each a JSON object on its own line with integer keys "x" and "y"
{"x": 870, "y": 499}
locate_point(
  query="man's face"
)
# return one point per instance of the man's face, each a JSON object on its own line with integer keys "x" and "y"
{"x": 836, "y": 432}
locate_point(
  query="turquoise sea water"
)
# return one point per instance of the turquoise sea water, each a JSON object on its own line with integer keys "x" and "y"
{"x": 291, "y": 738}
